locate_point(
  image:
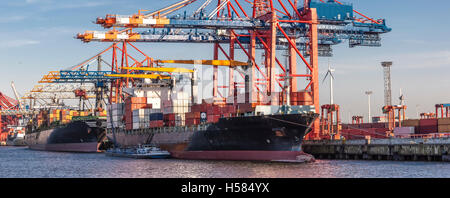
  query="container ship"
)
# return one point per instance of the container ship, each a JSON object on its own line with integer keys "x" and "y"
{"x": 172, "y": 121}
{"x": 77, "y": 134}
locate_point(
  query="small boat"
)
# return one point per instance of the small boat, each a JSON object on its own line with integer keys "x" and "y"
{"x": 141, "y": 152}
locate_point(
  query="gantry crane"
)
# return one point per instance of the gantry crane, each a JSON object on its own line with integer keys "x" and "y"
{"x": 128, "y": 71}
{"x": 266, "y": 25}
{"x": 7, "y": 104}
{"x": 390, "y": 115}
{"x": 441, "y": 107}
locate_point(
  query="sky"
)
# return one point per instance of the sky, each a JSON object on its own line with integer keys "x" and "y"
{"x": 37, "y": 36}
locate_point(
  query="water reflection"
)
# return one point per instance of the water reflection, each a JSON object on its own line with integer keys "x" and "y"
{"x": 22, "y": 162}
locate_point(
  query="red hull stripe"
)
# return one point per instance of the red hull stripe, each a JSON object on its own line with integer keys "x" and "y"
{"x": 241, "y": 155}
{"x": 69, "y": 147}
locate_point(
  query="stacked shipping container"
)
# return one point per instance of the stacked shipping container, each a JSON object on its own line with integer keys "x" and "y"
{"x": 403, "y": 131}
{"x": 427, "y": 126}
{"x": 351, "y": 133}
{"x": 137, "y": 113}
{"x": 65, "y": 116}
{"x": 297, "y": 98}
{"x": 444, "y": 125}
{"x": 115, "y": 116}
{"x": 212, "y": 113}
{"x": 156, "y": 118}
{"x": 175, "y": 109}
{"x": 411, "y": 123}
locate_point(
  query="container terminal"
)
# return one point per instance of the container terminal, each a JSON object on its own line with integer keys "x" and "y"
{"x": 264, "y": 106}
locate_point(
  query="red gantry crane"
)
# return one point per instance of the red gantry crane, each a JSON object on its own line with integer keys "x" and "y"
{"x": 6, "y": 104}
{"x": 251, "y": 26}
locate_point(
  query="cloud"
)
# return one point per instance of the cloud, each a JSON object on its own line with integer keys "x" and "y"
{"x": 415, "y": 42}
{"x": 430, "y": 59}
{"x": 50, "y": 7}
{"x": 17, "y": 43}
{"x": 11, "y": 19}
{"x": 28, "y": 2}
{"x": 31, "y": 1}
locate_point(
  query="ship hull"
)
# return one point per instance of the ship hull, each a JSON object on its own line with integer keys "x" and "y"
{"x": 91, "y": 147}
{"x": 255, "y": 133}
{"x": 75, "y": 137}
{"x": 260, "y": 138}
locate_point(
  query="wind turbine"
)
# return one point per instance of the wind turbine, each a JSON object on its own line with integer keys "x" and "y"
{"x": 330, "y": 72}
{"x": 401, "y": 98}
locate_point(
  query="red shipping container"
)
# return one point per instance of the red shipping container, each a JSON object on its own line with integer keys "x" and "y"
{"x": 197, "y": 115}
{"x": 231, "y": 109}
{"x": 294, "y": 96}
{"x": 136, "y": 100}
{"x": 305, "y": 97}
{"x": 189, "y": 121}
{"x": 427, "y": 126}
{"x": 216, "y": 118}
{"x": 428, "y": 122}
{"x": 350, "y": 126}
{"x": 194, "y": 108}
{"x": 210, "y": 118}
{"x": 132, "y": 107}
{"x": 216, "y": 110}
{"x": 192, "y": 122}
{"x": 365, "y": 125}
{"x": 204, "y": 107}
{"x": 157, "y": 123}
{"x": 427, "y": 129}
{"x": 189, "y": 115}
{"x": 378, "y": 125}
{"x": 129, "y": 126}
{"x": 169, "y": 123}
{"x": 169, "y": 117}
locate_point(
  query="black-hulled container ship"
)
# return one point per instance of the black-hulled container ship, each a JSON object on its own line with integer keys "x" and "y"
{"x": 265, "y": 138}
{"x": 84, "y": 135}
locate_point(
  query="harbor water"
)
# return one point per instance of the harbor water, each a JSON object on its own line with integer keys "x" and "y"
{"x": 20, "y": 162}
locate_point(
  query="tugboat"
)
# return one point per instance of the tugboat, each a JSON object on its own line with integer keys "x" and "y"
{"x": 141, "y": 152}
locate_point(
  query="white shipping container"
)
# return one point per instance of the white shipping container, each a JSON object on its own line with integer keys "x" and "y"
{"x": 136, "y": 125}
{"x": 403, "y": 130}
{"x": 155, "y": 110}
{"x": 113, "y": 124}
{"x": 149, "y": 21}
{"x": 179, "y": 122}
{"x": 140, "y": 118}
{"x": 156, "y": 102}
{"x": 117, "y": 112}
{"x": 124, "y": 20}
{"x": 141, "y": 112}
{"x": 139, "y": 93}
{"x": 122, "y": 36}
{"x": 99, "y": 35}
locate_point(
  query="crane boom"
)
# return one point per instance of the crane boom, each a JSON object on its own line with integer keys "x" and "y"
{"x": 162, "y": 69}
{"x": 17, "y": 95}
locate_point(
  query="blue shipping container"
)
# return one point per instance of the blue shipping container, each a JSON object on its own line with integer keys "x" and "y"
{"x": 156, "y": 116}
{"x": 333, "y": 11}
